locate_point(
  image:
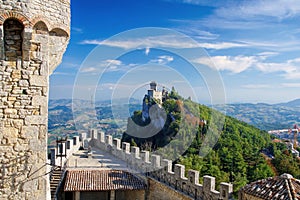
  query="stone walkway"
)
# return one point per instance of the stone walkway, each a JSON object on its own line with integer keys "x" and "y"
{"x": 98, "y": 159}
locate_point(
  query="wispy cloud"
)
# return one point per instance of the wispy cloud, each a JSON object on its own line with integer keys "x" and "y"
{"x": 164, "y": 41}
{"x": 291, "y": 85}
{"x": 62, "y": 74}
{"x": 267, "y": 54}
{"x": 108, "y": 65}
{"x": 222, "y": 45}
{"x": 256, "y": 86}
{"x": 280, "y": 9}
{"x": 88, "y": 69}
{"x": 251, "y": 9}
{"x": 76, "y": 30}
{"x": 201, "y": 2}
{"x": 195, "y": 32}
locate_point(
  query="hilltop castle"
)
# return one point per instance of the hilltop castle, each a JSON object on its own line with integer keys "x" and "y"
{"x": 153, "y": 96}
{"x": 33, "y": 37}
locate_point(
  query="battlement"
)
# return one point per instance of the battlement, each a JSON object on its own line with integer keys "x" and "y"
{"x": 161, "y": 169}
{"x": 52, "y": 12}
{"x": 63, "y": 151}
{"x": 44, "y": 30}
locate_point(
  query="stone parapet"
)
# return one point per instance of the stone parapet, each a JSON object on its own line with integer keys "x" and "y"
{"x": 160, "y": 169}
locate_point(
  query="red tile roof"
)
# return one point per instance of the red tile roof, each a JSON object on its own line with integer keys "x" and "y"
{"x": 283, "y": 187}
{"x": 102, "y": 180}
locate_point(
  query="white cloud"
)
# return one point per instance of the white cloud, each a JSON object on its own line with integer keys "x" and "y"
{"x": 93, "y": 42}
{"x": 109, "y": 65}
{"x": 280, "y": 9}
{"x": 250, "y": 9}
{"x": 234, "y": 64}
{"x": 88, "y": 69}
{"x": 291, "y": 85}
{"x": 77, "y": 30}
{"x": 256, "y": 86}
{"x": 167, "y": 41}
{"x": 267, "y": 54}
{"x": 162, "y": 60}
{"x": 113, "y": 62}
{"x": 195, "y": 32}
{"x": 237, "y": 64}
{"x": 201, "y": 2}
{"x": 274, "y": 67}
{"x": 62, "y": 74}
{"x": 222, "y": 45}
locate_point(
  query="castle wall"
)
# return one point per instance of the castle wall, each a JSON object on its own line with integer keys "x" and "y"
{"x": 162, "y": 170}
{"x": 160, "y": 191}
{"x": 33, "y": 37}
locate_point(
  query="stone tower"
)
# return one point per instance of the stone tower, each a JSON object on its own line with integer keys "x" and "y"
{"x": 33, "y": 37}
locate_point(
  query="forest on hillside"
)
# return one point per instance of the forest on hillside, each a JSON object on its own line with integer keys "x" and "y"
{"x": 242, "y": 153}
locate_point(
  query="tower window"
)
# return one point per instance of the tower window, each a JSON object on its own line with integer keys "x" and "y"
{"x": 13, "y": 39}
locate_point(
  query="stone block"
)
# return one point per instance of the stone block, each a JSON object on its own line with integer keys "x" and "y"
{"x": 39, "y": 100}
{"x": 23, "y": 83}
{"x": 10, "y": 132}
{"x": 18, "y": 123}
{"x": 16, "y": 74}
{"x": 93, "y": 133}
{"x": 155, "y": 161}
{"x": 193, "y": 176}
{"x": 101, "y": 136}
{"x": 208, "y": 184}
{"x": 36, "y": 80}
{"x": 226, "y": 190}
{"x": 167, "y": 164}
{"x": 29, "y": 132}
{"x": 179, "y": 171}
{"x": 117, "y": 143}
{"x": 126, "y": 147}
{"x": 109, "y": 140}
{"x": 135, "y": 152}
{"x": 10, "y": 111}
{"x": 42, "y": 132}
{"x": 145, "y": 156}
{"x": 36, "y": 120}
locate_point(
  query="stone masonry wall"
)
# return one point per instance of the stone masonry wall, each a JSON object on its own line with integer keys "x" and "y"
{"x": 33, "y": 37}
{"x": 55, "y": 14}
{"x": 160, "y": 191}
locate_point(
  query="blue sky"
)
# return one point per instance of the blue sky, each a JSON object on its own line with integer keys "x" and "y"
{"x": 254, "y": 45}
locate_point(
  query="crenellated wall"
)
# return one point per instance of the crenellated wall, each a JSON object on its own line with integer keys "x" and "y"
{"x": 161, "y": 169}
{"x": 71, "y": 146}
{"x": 46, "y": 21}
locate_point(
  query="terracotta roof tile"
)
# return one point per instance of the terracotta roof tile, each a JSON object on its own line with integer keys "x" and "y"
{"x": 101, "y": 180}
{"x": 283, "y": 187}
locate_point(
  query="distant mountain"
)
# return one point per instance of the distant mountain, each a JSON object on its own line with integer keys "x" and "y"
{"x": 294, "y": 103}
{"x": 63, "y": 113}
{"x": 265, "y": 116}
{"x": 85, "y": 103}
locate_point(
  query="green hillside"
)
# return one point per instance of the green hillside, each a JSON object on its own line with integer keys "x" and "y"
{"x": 242, "y": 154}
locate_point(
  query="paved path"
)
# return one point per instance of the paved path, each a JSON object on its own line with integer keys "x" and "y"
{"x": 99, "y": 159}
